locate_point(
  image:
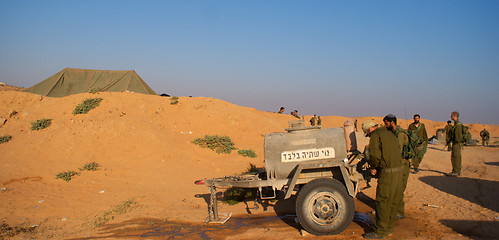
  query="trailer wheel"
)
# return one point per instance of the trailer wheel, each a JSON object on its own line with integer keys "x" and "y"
{"x": 323, "y": 207}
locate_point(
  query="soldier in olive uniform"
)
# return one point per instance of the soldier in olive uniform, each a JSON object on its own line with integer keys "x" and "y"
{"x": 419, "y": 129}
{"x": 448, "y": 130}
{"x": 485, "y": 137}
{"x": 390, "y": 121}
{"x": 457, "y": 145}
{"x": 281, "y": 110}
{"x": 313, "y": 120}
{"x": 385, "y": 160}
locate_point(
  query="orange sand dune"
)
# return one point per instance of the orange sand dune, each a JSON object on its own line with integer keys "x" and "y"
{"x": 144, "y": 146}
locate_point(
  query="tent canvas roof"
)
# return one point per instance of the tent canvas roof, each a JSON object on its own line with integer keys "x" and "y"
{"x": 72, "y": 81}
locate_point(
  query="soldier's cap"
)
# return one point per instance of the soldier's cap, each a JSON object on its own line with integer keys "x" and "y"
{"x": 367, "y": 125}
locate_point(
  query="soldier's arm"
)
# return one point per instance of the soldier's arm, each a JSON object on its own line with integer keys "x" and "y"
{"x": 403, "y": 140}
{"x": 458, "y": 133}
{"x": 425, "y": 135}
{"x": 374, "y": 150}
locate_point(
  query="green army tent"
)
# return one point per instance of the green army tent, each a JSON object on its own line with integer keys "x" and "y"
{"x": 71, "y": 81}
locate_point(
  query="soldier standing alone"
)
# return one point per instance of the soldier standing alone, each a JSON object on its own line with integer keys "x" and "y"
{"x": 384, "y": 158}
{"x": 457, "y": 144}
{"x": 419, "y": 129}
{"x": 485, "y": 137}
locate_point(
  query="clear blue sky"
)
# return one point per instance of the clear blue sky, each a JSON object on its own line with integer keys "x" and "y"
{"x": 345, "y": 58}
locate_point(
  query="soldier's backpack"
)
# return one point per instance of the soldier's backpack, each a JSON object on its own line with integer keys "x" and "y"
{"x": 409, "y": 149}
{"x": 466, "y": 134}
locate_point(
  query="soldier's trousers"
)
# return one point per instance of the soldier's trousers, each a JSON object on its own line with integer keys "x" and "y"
{"x": 403, "y": 186}
{"x": 420, "y": 152}
{"x": 455, "y": 157}
{"x": 387, "y": 200}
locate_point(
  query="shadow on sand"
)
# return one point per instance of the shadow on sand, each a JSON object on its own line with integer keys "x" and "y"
{"x": 477, "y": 230}
{"x": 492, "y": 163}
{"x": 438, "y": 149}
{"x": 482, "y": 192}
{"x": 431, "y": 170}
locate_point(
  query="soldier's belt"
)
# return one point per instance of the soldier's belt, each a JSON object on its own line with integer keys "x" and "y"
{"x": 390, "y": 170}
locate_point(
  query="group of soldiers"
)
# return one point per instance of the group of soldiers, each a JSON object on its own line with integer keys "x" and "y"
{"x": 315, "y": 120}
{"x": 292, "y": 113}
{"x": 391, "y": 152}
{"x": 389, "y": 161}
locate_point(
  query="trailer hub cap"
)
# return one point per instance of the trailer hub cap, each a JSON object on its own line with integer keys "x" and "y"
{"x": 324, "y": 207}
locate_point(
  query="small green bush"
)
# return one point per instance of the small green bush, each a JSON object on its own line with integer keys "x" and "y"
{"x": 235, "y": 195}
{"x": 247, "y": 153}
{"x": 219, "y": 144}
{"x": 5, "y": 138}
{"x": 66, "y": 176}
{"x": 252, "y": 169}
{"x": 93, "y": 166}
{"x": 174, "y": 100}
{"x": 121, "y": 208}
{"x": 41, "y": 124}
{"x": 87, "y": 105}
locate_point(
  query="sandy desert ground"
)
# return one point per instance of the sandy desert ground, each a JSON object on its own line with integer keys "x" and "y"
{"x": 147, "y": 159}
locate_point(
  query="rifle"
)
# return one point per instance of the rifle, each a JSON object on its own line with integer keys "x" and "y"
{"x": 446, "y": 144}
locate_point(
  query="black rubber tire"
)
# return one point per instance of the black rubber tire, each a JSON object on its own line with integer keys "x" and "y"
{"x": 323, "y": 207}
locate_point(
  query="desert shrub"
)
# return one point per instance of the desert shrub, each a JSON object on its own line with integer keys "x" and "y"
{"x": 174, "y": 100}
{"x": 41, "y": 124}
{"x": 252, "y": 168}
{"x": 247, "y": 153}
{"x": 235, "y": 195}
{"x": 66, "y": 176}
{"x": 5, "y": 138}
{"x": 219, "y": 144}
{"x": 7, "y": 232}
{"x": 93, "y": 166}
{"x": 87, "y": 105}
{"x": 119, "y": 209}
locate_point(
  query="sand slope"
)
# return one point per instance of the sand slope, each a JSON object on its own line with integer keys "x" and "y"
{"x": 144, "y": 146}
